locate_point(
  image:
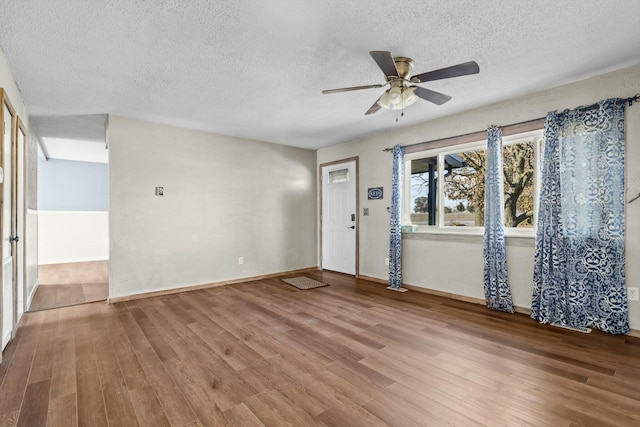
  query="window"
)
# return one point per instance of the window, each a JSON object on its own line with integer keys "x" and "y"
{"x": 424, "y": 177}
{"x": 446, "y": 186}
{"x": 464, "y": 188}
{"x": 338, "y": 176}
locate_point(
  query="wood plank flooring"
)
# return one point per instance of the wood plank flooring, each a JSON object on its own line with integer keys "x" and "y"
{"x": 352, "y": 354}
{"x": 61, "y": 285}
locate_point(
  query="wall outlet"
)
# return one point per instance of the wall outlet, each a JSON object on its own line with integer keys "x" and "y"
{"x": 240, "y": 260}
{"x": 386, "y": 262}
{"x": 632, "y": 294}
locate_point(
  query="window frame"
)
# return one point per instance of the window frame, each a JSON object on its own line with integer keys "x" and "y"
{"x": 440, "y": 153}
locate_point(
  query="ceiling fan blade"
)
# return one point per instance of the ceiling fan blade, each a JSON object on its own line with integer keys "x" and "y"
{"x": 349, "y": 89}
{"x": 431, "y": 95}
{"x": 374, "y": 108}
{"x": 464, "y": 69}
{"x": 385, "y": 62}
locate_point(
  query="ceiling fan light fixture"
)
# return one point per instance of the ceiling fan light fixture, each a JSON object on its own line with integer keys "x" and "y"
{"x": 397, "y": 98}
{"x": 409, "y": 96}
{"x": 383, "y": 101}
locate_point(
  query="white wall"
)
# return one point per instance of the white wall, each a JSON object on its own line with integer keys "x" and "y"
{"x": 454, "y": 263}
{"x": 31, "y": 267}
{"x": 224, "y": 198}
{"x": 72, "y": 236}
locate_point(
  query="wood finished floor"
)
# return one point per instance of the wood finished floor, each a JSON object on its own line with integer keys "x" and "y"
{"x": 351, "y": 354}
{"x": 75, "y": 283}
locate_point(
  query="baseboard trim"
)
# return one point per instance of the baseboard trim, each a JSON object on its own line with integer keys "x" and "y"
{"x": 449, "y": 295}
{"x": 30, "y": 296}
{"x": 428, "y": 291}
{"x": 207, "y": 285}
{"x": 522, "y": 310}
{"x": 72, "y": 260}
{"x": 634, "y": 333}
{"x": 373, "y": 279}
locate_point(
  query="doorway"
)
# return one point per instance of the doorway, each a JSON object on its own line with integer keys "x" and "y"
{"x": 339, "y": 216}
{"x": 73, "y": 223}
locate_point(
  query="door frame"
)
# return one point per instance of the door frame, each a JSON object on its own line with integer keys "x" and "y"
{"x": 20, "y": 275}
{"x": 320, "y": 187}
{"x": 4, "y": 101}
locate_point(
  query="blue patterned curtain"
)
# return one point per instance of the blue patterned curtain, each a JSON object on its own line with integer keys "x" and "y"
{"x": 496, "y": 282}
{"x": 579, "y": 278}
{"x": 395, "y": 243}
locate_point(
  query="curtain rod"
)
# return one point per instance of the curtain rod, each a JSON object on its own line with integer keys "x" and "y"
{"x": 519, "y": 127}
{"x": 629, "y": 101}
{"x": 633, "y": 99}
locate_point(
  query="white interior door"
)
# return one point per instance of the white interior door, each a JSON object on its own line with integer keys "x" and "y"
{"x": 6, "y": 214}
{"x": 339, "y": 215}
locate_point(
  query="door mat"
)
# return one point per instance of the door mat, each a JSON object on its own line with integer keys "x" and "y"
{"x": 303, "y": 282}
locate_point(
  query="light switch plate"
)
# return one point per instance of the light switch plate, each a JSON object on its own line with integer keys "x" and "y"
{"x": 159, "y": 191}
{"x": 365, "y": 211}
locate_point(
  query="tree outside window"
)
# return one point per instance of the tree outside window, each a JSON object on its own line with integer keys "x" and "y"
{"x": 464, "y": 183}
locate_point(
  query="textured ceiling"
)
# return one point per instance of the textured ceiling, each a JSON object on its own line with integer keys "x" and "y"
{"x": 255, "y": 68}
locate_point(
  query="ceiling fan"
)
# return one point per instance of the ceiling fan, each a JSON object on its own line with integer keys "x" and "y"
{"x": 400, "y": 93}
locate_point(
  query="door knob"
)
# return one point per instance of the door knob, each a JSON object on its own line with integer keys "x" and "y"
{"x": 353, "y": 227}
{"x": 14, "y": 239}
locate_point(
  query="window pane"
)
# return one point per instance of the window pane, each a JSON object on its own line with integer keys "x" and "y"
{"x": 464, "y": 188}
{"x": 424, "y": 186}
{"x": 338, "y": 176}
{"x": 518, "y": 184}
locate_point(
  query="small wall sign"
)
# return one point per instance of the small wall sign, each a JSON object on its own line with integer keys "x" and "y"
{"x": 375, "y": 193}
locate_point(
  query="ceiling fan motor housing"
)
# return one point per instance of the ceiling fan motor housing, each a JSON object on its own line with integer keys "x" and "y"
{"x": 404, "y": 66}
{"x": 399, "y": 95}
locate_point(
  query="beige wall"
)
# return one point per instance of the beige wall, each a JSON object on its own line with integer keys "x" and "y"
{"x": 454, "y": 263}
{"x": 224, "y": 198}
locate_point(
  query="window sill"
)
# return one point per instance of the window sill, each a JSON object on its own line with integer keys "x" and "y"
{"x": 520, "y": 238}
